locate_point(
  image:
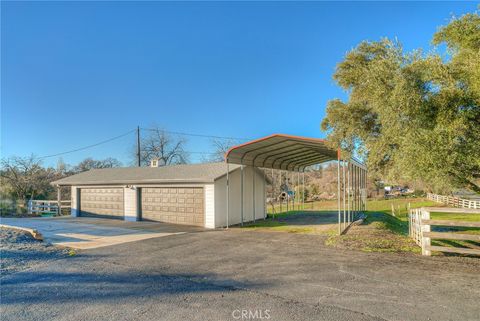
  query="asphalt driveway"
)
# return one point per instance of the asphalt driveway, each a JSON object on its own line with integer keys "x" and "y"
{"x": 215, "y": 275}
{"x": 90, "y": 233}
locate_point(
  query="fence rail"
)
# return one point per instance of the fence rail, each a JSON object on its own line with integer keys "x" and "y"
{"x": 47, "y": 206}
{"x": 420, "y": 229}
{"x": 454, "y": 201}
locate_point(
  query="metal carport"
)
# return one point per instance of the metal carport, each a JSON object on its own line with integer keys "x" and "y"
{"x": 294, "y": 154}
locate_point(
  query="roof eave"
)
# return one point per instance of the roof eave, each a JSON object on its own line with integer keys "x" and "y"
{"x": 134, "y": 182}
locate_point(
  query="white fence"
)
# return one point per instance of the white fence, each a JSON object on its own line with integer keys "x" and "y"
{"x": 420, "y": 229}
{"x": 454, "y": 201}
{"x": 46, "y": 206}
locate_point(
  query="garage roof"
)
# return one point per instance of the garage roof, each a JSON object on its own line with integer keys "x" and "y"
{"x": 188, "y": 173}
{"x": 281, "y": 151}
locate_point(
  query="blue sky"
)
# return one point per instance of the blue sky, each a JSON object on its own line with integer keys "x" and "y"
{"x": 73, "y": 74}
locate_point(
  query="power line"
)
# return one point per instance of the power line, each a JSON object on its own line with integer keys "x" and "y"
{"x": 189, "y": 152}
{"x": 89, "y": 146}
{"x": 196, "y": 135}
{"x": 150, "y": 129}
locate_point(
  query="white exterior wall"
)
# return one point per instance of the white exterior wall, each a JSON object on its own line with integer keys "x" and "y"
{"x": 235, "y": 197}
{"x": 131, "y": 205}
{"x": 75, "y": 201}
{"x": 215, "y": 199}
{"x": 209, "y": 190}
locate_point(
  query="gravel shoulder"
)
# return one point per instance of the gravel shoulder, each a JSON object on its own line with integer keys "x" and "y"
{"x": 20, "y": 251}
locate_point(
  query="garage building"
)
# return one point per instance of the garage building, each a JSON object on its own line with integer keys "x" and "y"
{"x": 191, "y": 194}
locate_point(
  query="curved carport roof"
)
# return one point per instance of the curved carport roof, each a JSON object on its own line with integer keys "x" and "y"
{"x": 284, "y": 152}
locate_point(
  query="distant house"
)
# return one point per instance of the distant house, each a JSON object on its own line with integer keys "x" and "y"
{"x": 192, "y": 194}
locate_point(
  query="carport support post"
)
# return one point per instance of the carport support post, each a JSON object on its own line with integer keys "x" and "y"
{"x": 287, "y": 184}
{"x": 253, "y": 201}
{"x": 273, "y": 193}
{"x": 344, "y": 195}
{"x": 241, "y": 197}
{"x": 355, "y": 199}
{"x": 360, "y": 205}
{"x": 360, "y": 183}
{"x": 359, "y": 188}
{"x": 303, "y": 190}
{"x": 281, "y": 201}
{"x": 348, "y": 191}
{"x": 355, "y": 189}
{"x": 298, "y": 187}
{"x": 264, "y": 194}
{"x": 352, "y": 191}
{"x": 365, "y": 186}
{"x": 228, "y": 192}
{"x": 356, "y": 180}
{"x": 338, "y": 196}
{"x": 366, "y": 190}
{"x": 292, "y": 175}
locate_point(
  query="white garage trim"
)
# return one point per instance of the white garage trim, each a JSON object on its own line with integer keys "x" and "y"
{"x": 209, "y": 205}
{"x": 75, "y": 195}
{"x": 130, "y": 197}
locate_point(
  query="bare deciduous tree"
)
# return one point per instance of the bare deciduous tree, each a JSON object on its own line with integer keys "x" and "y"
{"x": 220, "y": 147}
{"x": 90, "y": 163}
{"x": 168, "y": 149}
{"x": 24, "y": 177}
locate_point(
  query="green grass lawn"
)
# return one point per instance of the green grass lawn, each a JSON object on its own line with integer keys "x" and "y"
{"x": 385, "y": 206}
{"x": 455, "y": 217}
{"x": 277, "y": 226}
{"x": 304, "y": 222}
{"x": 378, "y": 211}
{"x": 385, "y": 227}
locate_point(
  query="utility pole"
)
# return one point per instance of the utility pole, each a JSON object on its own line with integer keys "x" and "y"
{"x": 138, "y": 147}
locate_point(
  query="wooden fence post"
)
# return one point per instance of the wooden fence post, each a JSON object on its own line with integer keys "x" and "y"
{"x": 409, "y": 224}
{"x": 426, "y": 241}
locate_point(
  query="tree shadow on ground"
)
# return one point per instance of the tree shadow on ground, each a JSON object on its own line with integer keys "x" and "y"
{"x": 301, "y": 218}
{"x": 388, "y": 221}
{"x": 58, "y": 287}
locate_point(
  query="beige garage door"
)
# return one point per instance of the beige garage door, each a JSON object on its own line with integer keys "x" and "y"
{"x": 104, "y": 202}
{"x": 173, "y": 205}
